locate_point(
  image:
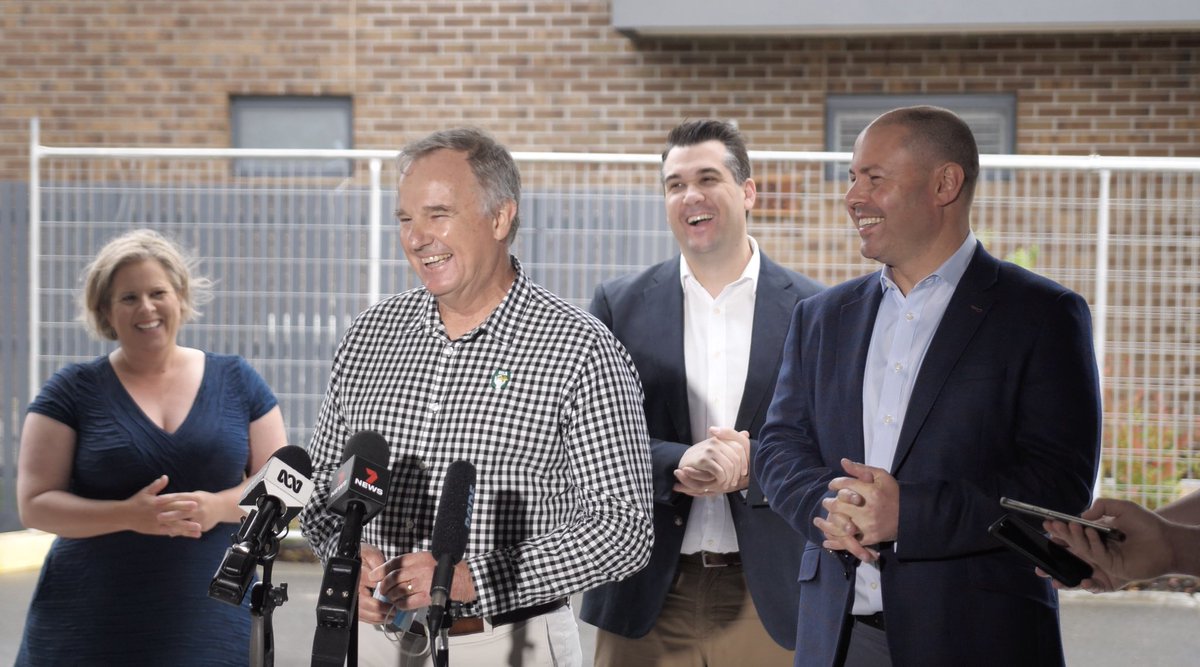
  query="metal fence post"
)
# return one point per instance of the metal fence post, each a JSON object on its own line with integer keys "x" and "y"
{"x": 1100, "y": 323}
{"x": 35, "y": 251}
{"x": 375, "y": 232}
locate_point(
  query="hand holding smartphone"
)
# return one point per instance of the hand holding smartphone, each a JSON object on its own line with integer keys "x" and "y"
{"x": 1052, "y": 558}
{"x": 1106, "y": 532}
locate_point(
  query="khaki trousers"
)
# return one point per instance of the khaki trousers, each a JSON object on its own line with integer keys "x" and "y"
{"x": 708, "y": 620}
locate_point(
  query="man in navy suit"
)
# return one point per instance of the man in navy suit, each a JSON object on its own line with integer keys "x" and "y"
{"x": 909, "y": 402}
{"x": 705, "y": 331}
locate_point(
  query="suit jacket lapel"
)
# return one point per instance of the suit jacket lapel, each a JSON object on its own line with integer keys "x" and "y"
{"x": 966, "y": 311}
{"x": 773, "y": 306}
{"x": 855, "y": 326}
{"x": 664, "y": 305}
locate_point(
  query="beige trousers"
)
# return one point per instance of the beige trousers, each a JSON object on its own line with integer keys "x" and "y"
{"x": 708, "y": 620}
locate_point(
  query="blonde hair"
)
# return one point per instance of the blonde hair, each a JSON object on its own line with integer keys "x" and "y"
{"x": 137, "y": 246}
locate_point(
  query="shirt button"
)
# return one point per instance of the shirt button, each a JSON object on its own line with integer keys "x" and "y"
{"x": 716, "y": 311}
{"x": 909, "y": 316}
{"x": 421, "y": 464}
{"x": 409, "y": 523}
{"x": 898, "y": 367}
{"x": 678, "y": 521}
{"x": 434, "y": 406}
{"x": 887, "y": 419}
{"x": 448, "y": 351}
{"x": 874, "y": 586}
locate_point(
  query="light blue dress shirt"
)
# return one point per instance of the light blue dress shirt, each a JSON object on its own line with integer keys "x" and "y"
{"x": 904, "y": 327}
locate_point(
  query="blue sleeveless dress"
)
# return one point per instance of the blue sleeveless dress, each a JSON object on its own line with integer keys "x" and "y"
{"x": 127, "y": 598}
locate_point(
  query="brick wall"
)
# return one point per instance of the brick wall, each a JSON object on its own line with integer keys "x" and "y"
{"x": 547, "y": 75}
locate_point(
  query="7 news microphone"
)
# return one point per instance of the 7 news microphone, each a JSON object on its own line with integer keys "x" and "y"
{"x": 451, "y": 527}
{"x": 358, "y": 491}
{"x": 273, "y": 497}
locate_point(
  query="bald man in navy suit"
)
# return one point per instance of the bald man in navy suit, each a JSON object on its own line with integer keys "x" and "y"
{"x": 910, "y": 401}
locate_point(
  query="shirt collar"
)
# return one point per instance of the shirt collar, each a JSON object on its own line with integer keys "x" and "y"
{"x": 951, "y": 271}
{"x": 750, "y": 273}
{"x": 501, "y": 323}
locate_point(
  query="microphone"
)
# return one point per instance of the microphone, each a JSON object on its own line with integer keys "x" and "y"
{"x": 359, "y": 492}
{"x": 451, "y": 527}
{"x": 286, "y": 475}
{"x": 273, "y": 497}
{"x": 361, "y": 483}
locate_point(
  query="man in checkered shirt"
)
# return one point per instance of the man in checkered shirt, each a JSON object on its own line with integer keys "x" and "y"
{"x": 483, "y": 365}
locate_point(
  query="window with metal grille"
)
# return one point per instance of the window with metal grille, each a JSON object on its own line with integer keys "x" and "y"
{"x": 292, "y": 121}
{"x": 992, "y": 118}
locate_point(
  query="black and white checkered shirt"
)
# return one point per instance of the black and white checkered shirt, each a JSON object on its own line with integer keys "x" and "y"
{"x": 540, "y": 397}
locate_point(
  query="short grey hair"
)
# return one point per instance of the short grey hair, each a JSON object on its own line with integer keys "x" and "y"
{"x": 491, "y": 163}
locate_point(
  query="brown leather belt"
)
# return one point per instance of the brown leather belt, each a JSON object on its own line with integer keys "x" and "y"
{"x": 874, "y": 620}
{"x": 471, "y": 625}
{"x": 712, "y": 558}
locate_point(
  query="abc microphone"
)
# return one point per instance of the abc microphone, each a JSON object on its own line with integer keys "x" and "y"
{"x": 451, "y": 527}
{"x": 358, "y": 492}
{"x": 273, "y": 497}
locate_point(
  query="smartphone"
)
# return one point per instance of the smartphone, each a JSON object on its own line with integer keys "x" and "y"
{"x": 1053, "y": 559}
{"x": 1106, "y": 532}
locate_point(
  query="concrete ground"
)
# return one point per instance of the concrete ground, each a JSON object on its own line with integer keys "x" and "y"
{"x": 1117, "y": 629}
{"x": 294, "y": 621}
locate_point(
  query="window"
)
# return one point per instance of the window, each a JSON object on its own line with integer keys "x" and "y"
{"x": 992, "y": 118}
{"x": 291, "y": 121}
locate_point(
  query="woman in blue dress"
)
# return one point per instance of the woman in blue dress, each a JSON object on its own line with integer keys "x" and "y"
{"x": 136, "y": 460}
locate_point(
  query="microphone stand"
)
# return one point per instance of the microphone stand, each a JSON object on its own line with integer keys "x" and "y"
{"x": 263, "y": 599}
{"x": 441, "y": 653}
{"x": 336, "y": 640}
{"x": 233, "y": 577}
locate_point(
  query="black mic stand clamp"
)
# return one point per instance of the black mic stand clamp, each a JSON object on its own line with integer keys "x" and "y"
{"x": 441, "y": 646}
{"x": 233, "y": 577}
{"x": 263, "y": 599}
{"x": 337, "y": 614}
{"x": 335, "y": 602}
{"x": 335, "y": 642}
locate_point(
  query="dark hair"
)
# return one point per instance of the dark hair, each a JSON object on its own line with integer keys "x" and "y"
{"x": 940, "y": 134}
{"x": 692, "y": 132}
{"x": 491, "y": 163}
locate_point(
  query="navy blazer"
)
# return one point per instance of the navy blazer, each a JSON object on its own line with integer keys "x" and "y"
{"x": 1006, "y": 403}
{"x": 645, "y": 311}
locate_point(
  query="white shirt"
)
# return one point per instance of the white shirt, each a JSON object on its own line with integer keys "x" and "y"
{"x": 716, "y": 352}
{"x": 904, "y": 327}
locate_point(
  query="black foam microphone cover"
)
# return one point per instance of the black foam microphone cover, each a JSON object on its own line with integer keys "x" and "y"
{"x": 453, "y": 522}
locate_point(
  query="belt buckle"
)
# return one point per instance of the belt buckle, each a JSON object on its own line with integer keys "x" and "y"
{"x": 718, "y": 559}
{"x": 468, "y": 625}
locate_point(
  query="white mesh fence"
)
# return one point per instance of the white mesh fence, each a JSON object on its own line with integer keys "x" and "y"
{"x": 296, "y": 256}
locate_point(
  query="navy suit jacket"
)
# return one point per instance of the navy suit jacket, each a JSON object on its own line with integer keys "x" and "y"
{"x": 645, "y": 311}
{"x": 1006, "y": 403}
